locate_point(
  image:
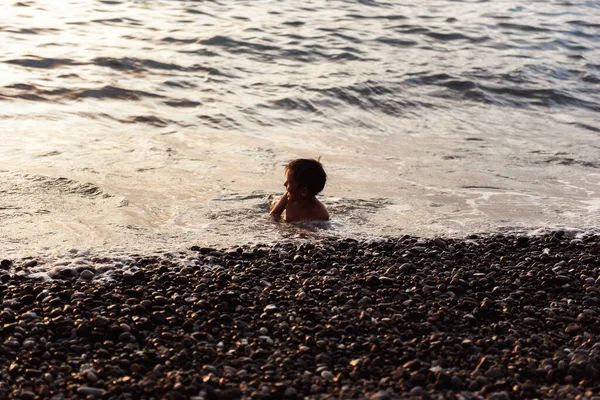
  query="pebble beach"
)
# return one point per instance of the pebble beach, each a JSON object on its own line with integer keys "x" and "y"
{"x": 496, "y": 316}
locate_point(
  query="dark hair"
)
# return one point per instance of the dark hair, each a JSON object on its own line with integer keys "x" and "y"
{"x": 308, "y": 173}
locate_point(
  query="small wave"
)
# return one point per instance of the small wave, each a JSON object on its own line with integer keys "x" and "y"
{"x": 546, "y": 97}
{"x": 584, "y": 23}
{"x": 346, "y": 56}
{"x": 236, "y": 197}
{"x": 113, "y": 92}
{"x": 411, "y": 29}
{"x": 67, "y": 186}
{"x": 33, "y": 93}
{"x": 455, "y": 36}
{"x": 25, "y": 31}
{"x": 374, "y": 3}
{"x": 21, "y": 86}
{"x": 236, "y": 45}
{"x": 298, "y": 55}
{"x": 39, "y": 62}
{"x": 459, "y": 85}
{"x": 376, "y": 17}
{"x": 219, "y": 121}
{"x": 588, "y": 127}
{"x": 198, "y": 12}
{"x": 295, "y": 104}
{"x": 118, "y": 21}
{"x": 136, "y": 64}
{"x": 182, "y": 103}
{"x": 170, "y": 39}
{"x": 571, "y": 161}
{"x": 48, "y": 154}
{"x": 567, "y": 44}
{"x": 396, "y": 42}
{"x": 180, "y": 84}
{"x": 200, "y": 52}
{"x": 368, "y": 95}
{"x": 346, "y": 37}
{"x": 523, "y": 28}
{"x": 477, "y": 90}
{"x": 150, "y": 120}
{"x": 294, "y": 23}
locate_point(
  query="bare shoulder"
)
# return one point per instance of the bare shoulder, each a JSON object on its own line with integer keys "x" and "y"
{"x": 320, "y": 211}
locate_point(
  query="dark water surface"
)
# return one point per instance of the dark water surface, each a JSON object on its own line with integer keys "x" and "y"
{"x": 159, "y": 123}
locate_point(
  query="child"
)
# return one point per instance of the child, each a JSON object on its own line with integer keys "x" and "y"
{"x": 304, "y": 179}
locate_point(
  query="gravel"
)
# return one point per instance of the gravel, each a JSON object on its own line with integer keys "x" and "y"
{"x": 498, "y": 317}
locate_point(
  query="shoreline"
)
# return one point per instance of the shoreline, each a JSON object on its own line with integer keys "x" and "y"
{"x": 498, "y": 316}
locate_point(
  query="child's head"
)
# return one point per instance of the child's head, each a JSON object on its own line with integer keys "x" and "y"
{"x": 305, "y": 177}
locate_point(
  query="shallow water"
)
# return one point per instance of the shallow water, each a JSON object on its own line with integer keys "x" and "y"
{"x": 148, "y": 125}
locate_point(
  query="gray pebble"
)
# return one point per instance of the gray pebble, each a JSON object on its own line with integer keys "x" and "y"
{"x": 86, "y": 275}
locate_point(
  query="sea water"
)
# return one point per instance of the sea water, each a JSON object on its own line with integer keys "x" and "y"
{"x": 143, "y": 126}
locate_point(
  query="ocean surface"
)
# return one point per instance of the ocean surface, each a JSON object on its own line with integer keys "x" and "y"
{"x": 148, "y": 125}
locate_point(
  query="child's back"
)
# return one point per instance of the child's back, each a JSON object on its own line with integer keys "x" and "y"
{"x": 309, "y": 210}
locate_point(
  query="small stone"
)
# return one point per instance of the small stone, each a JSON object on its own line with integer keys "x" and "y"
{"x": 499, "y": 396}
{"x": 440, "y": 243}
{"x": 456, "y": 382}
{"x": 413, "y": 364}
{"x": 139, "y": 274}
{"x": 381, "y": 395}
{"x": 572, "y": 328}
{"x": 32, "y": 372}
{"x": 266, "y": 339}
{"x": 86, "y": 275}
{"x": 323, "y": 358}
{"x": 365, "y": 301}
{"x": 14, "y": 369}
{"x": 241, "y": 324}
{"x": 522, "y": 241}
{"x": 386, "y": 281}
{"x": 91, "y": 377}
{"x": 30, "y": 315}
{"x": 48, "y": 378}
{"x": 231, "y": 393}
{"x": 271, "y": 308}
{"x": 327, "y": 375}
{"x": 101, "y": 321}
{"x": 407, "y": 267}
{"x": 88, "y": 390}
{"x": 290, "y": 392}
{"x": 27, "y": 395}
{"x": 495, "y": 373}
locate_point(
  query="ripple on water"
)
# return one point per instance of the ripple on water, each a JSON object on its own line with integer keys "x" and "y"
{"x": 393, "y": 88}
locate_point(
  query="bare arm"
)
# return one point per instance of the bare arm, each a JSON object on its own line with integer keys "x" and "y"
{"x": 277, "y": 210}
